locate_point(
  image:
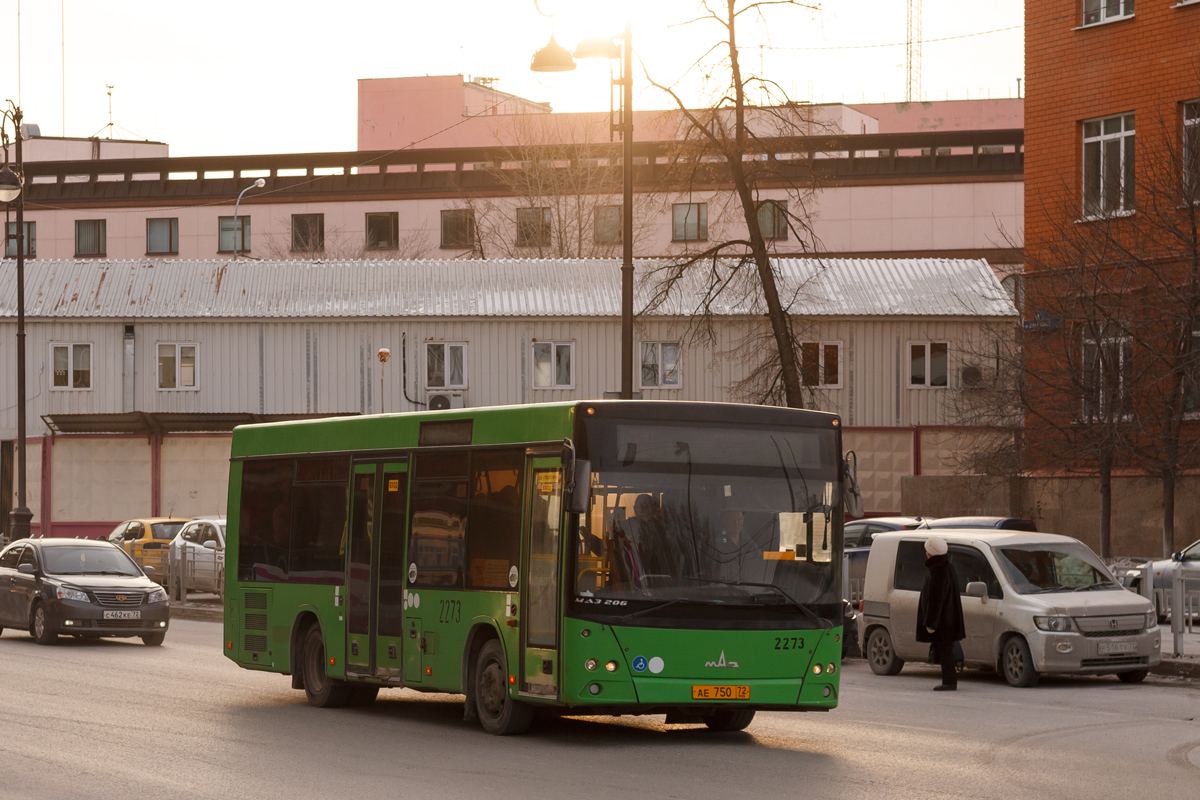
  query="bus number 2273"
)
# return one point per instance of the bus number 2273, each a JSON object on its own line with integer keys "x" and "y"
{"x": 451, "y": 611}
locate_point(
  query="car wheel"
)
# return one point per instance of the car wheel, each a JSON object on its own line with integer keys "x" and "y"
{"x": 153, "y": 639}
{"x": 1136, "y": 676}
{"x": 1017, "y": 663}
{"x": 499, "y": 714}
{"x": 39, "y": 626}
{"x": 729, "y": 719}
{"x": 322, "y": 690}
{"x": 881, "y": 655}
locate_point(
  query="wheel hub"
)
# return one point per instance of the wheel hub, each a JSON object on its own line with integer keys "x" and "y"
{"x": 491, "y": 689}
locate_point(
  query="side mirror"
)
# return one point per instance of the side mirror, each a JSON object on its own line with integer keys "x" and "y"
{"x": 27, "y": 569}
{"x": 977, "y": 589}
{"x": 853, "y": 495}
{"x": 581, "y": 491}
{"x": 210, "y": 544}
{"x": 150, "y": 572}
{"x": 1177, "y": 557}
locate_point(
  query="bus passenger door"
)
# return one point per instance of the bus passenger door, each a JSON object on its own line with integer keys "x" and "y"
{"x": 387, "y": 647}
{"x": 539, "y": 663}
{"x": 374, "y": 571}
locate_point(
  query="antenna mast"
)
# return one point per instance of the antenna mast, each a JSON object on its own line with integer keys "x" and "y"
{"x": 912, "y": 54}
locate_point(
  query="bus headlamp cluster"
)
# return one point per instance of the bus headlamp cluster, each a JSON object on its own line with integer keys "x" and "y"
{"x": 590, "y": 664}
{"x": 611, "y": 666}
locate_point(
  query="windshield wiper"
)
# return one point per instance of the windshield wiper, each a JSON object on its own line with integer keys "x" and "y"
{"x": 824, "y": 623}
{"x": 105, "y": 572}
{"x": 1044, "y": 589}
{"x": 1091, "y": 586}
{"x": 657, "y": 606}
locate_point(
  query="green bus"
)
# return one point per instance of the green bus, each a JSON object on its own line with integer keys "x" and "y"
{"x": 600, "y": 557}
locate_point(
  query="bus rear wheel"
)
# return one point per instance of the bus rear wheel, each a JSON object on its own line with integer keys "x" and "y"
{"x": 729, "y": 719}
{"x": 499, "y": 714}
{"x": 322, "y": 690}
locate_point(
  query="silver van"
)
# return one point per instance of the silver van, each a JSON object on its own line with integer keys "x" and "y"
{"x": 1032, "y": 603}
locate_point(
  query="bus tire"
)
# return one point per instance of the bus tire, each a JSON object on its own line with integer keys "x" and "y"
{"x": 322, "y": 690}
{"x": 729, "y": 719}
{"x": 499, "y": 714}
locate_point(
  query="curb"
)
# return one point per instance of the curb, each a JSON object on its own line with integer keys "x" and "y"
{"x": 202, "y": 612}
{"x": 1178, "y": 668}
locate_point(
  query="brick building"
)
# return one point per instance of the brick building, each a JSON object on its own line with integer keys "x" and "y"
{"x": 1112, "y": 255}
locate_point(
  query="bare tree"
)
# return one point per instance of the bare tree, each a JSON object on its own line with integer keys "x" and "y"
{"x": 726, "y": 144}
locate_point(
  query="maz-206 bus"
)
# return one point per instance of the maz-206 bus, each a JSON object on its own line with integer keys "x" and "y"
{"x": 575, "y": 558}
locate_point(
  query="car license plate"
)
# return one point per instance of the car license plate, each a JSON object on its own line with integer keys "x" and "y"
{"x": 703, "y": 692}
{"x": 1117, "y": 647}
{"x": 122, "y": 614}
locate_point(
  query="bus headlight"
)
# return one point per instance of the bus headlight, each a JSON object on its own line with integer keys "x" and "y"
{"x": 832, "y": 668}
{"x": 816, "y": 669}
{"x": 590, "y": 664}
{"x": 611, "y": 666}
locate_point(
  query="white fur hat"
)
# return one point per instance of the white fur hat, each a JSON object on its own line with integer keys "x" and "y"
{"x": 936, "y": 546}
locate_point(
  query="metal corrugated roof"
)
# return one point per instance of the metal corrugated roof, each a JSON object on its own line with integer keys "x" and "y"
{"x": 172, "y": 289}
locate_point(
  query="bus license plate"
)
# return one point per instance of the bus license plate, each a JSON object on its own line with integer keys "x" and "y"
{"x": 1117, "y": 647}
{"x": 122, "y": 615}
{"x": 702, "y": 692}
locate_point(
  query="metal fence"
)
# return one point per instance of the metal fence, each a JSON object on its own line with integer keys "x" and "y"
{"x": 177, "y": 569}
{"x": 1179, "y": 602}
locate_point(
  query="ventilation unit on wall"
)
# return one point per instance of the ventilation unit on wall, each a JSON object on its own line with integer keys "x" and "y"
{"x": 972, "y": 377}
{"x": 441, "y": 401}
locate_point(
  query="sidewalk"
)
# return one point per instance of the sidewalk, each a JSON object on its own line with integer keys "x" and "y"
{"x": 1185, "y": 666}
{"x": 199, "y": 606}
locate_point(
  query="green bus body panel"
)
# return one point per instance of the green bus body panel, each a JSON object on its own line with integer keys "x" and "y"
{"x": 776, "y": 677}
{"x": 495, "y": 425}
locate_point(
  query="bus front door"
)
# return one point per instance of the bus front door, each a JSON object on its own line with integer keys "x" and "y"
{"x": 375, "y": 570}
{"x": 540, "y": 590}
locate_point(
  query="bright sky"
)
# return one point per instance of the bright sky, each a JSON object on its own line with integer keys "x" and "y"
{"x": 252, "y": 76}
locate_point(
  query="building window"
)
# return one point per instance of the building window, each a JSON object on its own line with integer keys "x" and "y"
{"x": 91, "y": 237}
{"x": 234, "y": 234}
{"x": 72, "y": 366}
{"x": 608, "y": 225}
{"x": 1191, "y": 151}
{"x": 928, "y": 364}
{"x": 1108, "y": 165}
{"x": 383, "y": 231}
{"x": 773, "y": 219}
{"x": 308, "y": 232}
{"x": 533, "y": 227}
{"x": 552, "y": 367}
{"x": 821, "y": 364}
{"x": 30, "y": 243}
{"x": 458, "y": 228}
{"x": 689, "y": 222}
{"x": 660, "y": 365}
{"x": 1107, "y": 364}
{"x": 177, "y": 366}
{"x": 1095, "y": 11}
{"x": 162, "y": 236}
{"x": 444, "y": 365}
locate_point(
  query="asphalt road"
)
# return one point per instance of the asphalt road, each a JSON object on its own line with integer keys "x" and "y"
{"x": 116, "y": 719}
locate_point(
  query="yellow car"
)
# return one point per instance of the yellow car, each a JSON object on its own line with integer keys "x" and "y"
{"x": 146, "y": 540}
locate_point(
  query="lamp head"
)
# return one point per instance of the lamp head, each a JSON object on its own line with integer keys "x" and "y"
{"x": 260, "y": 183}
{"x": 552, "y": 58}
{"x": 10, "y": 185}
{"x": 598, "y": 47}
{"x": 383, "y": 355}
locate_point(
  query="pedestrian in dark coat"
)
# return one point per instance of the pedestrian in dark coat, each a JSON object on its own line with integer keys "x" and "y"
{"x": 939, "y": 611}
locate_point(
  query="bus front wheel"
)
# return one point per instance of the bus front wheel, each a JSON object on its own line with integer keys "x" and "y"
{"x": 499, "y": 714}
{"x": 322, "y": 690}
{"x": 729, "y": 719}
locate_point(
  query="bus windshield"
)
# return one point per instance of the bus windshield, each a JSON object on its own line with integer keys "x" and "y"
{"x": 729, "y": 526}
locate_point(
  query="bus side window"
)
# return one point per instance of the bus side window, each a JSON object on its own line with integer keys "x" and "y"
{"x": 494, "y": 519}
{"x": 439, "y": 517}
{"x": 262, "y": 544}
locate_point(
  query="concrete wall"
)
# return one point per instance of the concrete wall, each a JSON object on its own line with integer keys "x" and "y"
{"x": 1070, "y": 506}
{"x": 195, "y": 475}
{"x": 99, "y": 479}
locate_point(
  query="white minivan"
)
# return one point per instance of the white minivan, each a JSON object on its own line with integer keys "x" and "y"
{"x": 1032, "y": 603}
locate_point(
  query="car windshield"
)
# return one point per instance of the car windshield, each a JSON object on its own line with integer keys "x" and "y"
{"x": 732, "y": 524}
{"x": 165, "y": 530}
{"x": 1057, "y": 567}
{"x": 68, "y": 560}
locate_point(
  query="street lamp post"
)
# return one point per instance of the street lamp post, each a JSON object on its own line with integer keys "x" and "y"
{"x": 10, "y": 192}
{"x": 238, "y": 240}
{"x": 555, "y": 58}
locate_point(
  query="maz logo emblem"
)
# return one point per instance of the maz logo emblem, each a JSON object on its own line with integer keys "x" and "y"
{"x": 721, "y": 662}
